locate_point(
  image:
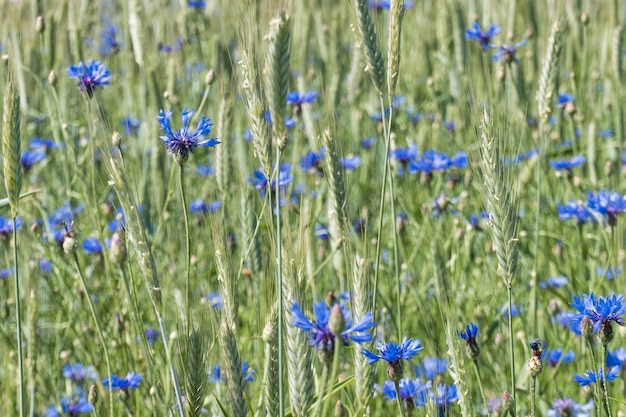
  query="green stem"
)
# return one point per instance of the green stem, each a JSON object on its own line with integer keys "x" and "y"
{"x": 480, "y": 383}
{"x": 398, "y": 399}
{"x": 279, "y": 286}
{"x": 511, "y": 345}
{"x": 98, "y": 329}
{"x": 333, "y": 374}
{"x": 594, "y": 367}
{"x": 188, "y": 249}
{"x": 320, "y": 391}
{"x": 18, "y": 314}
{"x": 533, "y": 384}
{"x": 603, "y": 386}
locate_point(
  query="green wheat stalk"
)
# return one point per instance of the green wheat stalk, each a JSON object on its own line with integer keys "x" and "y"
{"x": 367, "y": 36}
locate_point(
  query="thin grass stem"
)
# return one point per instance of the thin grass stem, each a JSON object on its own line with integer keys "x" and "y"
{"x": 187, "y": 250}
{"x": 18, "y": 317}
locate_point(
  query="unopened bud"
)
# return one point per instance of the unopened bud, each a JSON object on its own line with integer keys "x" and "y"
{"x": 534, "y": 366}
{"x": 92, "y": 397}
{"x": 69, "y": 244}
{"x": 584, "y": 18}
{"x": 40, "y": 24}
{"x": 339, "y": 410}
{"x": 116, "y": 139}
{"x": 117, "y": 251}
{"x": 586, "y": 327}
{"x": 52, "y": 78}
{"x": 508, "y": 403}
{"x": 209, "y": 77}
{"x": 336, "y": 321}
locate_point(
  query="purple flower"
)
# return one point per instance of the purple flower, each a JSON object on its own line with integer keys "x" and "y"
{"x": 483, "y": 37}
{"x": 590, "y": 377}
{"x": 90, "y": 76}
{"x": 131, "y": 381}
{"x": 180, "y": 143}
{"x": 152, "y": 335}
{"x": 566, "y": 407}
{"x": 321, "y": 336}
{"x": 507, "y": 52}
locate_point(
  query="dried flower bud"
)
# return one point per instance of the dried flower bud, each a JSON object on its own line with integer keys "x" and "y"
{"x": 69, "y": 244}
{"x": 508, "y": 403}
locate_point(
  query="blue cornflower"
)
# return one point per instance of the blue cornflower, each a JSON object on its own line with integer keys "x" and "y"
{"x": 483, "y": 37}
{"x": 321, "y": 337}
{"x": 590, "y": 377}
{"x": 204, "y": 170}
{"x": 131, "y": 126}
{"x": 412, "y": 392}
{"x": 575, "y": 210}
{"x": 6, "y": 225}
{"x": 197, "y": 5}
{"x": 182, "y": 142}
{"x": 606, "y": 133}
{"x": 5, "y": 273}
{"x": 216, "y": 301}
{"x": 131, "y": 381}
{"x": 92, "y": 245}
{"x": 444, "y": 396}
{"x": 607, "y": 203}
{"x": 262, "y": 183}
{"x": 566, "y": 407}
{"x": 393, "y": 354}
{"x": 553, "y": 356}
{"x": 152, "y": 335}
{"x": 30, "y": 158}
{"x": 616, "y": 358}
{"x": 507, "y": 53}
{"x": 568, "y": 165}
{"x": 469, "y": 335}
{"x": 610, "y": 272}
{"x": 403, "y": 156}
{"x": 64, "y": 215}
{"x": 321, "y": 232}
{"x": 601, "y": 311}
{"x": 565, "y": 100}
{"x": 199, "y": 206}
{"x": 42, "y": 144}
{"x": 431, "y": 367}
{"x": 45, "y": 265}
{"x": 91, "y": 75}
{"x": 296, "y": 99}
{"x": 350, "y": 162}
{"x": 504, "y": 310}
{"x": 367, "y": 143}
{"x": 215, "y": 376}
{"x": 70, "y": 407}
{"x": 312, "y": 162}
{"x": 413, "y": 117}
{"x": 78, "y": 373}
{"x": 554, "y": 282}
{"x": 378, "y": 5}
{"x": 109, "y": 43}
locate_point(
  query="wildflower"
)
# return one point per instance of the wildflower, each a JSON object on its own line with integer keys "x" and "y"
{"x": 204, "y": 170}
{"x": 109, "y": 43}
{"x": 590, "y": 377}
{"x": 351, "y": 162}
{"x": 215, "y": 376}
{"x": 70, "y": 406}
{"x": 131, "y": 126}
{"x": 403, "y": 156}
{"x": 199, "y": 206}
{"x": 568, "y": 165}
{"x": 296, "y": 99}
{"x": 393, "y": 354}
{"x": 30, "y": 158}
{"x": 5, "y": 273}
{"x": 131, "y": 381}
{"x": 45, "y": 265}
{"x": 91, "y": 75}
{"x": 92, "y": 245}
{"x": 413, "y": 117}
{"x": 431, "y": 367}
{"x": 151, "y": 335}
{"x": 616, "y": 358}
{"x": 444, "y": 396}
{"x": 507, "y": 52}
{"x": 566, "y": 407}
{"x": 609, "y": 272}
{"x": 78, "y": 373}
{"x": 262, "y": 183}
{"x": 42, "y": 144}
{"x": 321, "y": 335}
{"x": 196, "y": 5}
{"x": 359, "y": 225}
{"x": 182, "y": 142}
{"x": 478, "y": 222}
{"x": 607, "y": 203}
{"x": 64, "y": 215}
{"x": 555, "y": 356}
{"x": 483, "y": 37}
{"x": 379, "y": 5}
{"x": 469, "y": 335}
{"x": 535, "y": 363}
{"x": 215, "y": 300}
{"x": 321, "y": 232}
{"x": 554, "y": 282}
{"x": 575, "y": 210}
{"x": 367, "y": 143}
{"x": 6, "y": 225}
{"x": 566, "y": 102}
{"x": 600, "y": 311}
{"x": 312, "y": 162}
{"x": 412, "y": 392}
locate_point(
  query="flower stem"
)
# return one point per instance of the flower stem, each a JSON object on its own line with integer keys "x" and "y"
{"x": 98, "y": 329}
{"x": 18, "y": 314}
{"x": 603, "y": 386}
{"x": 396, "y": 383}
{"x": 480, "y": 383}
{"x": 333, "y": 373}
{"x": 187, "y": 249}
{"x": 594, "y": 366}
{"x": 279, "y": 286}
{"x": 511, "y": 344}
{"x": 533, "y": 384}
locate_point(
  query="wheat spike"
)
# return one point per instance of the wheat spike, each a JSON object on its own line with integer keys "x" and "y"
{"x": 367, "y": 36}
{"x": 277, "y": 74}
{"x": 393, "y": 58}
{"x": 11, "y": 146}
{"x": 549, "y": 70}
{"x": 197, "y": 383}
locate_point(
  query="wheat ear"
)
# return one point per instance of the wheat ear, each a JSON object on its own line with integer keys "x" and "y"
{"x": 367, "y": 36}
{"x": 277, "y": 74}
